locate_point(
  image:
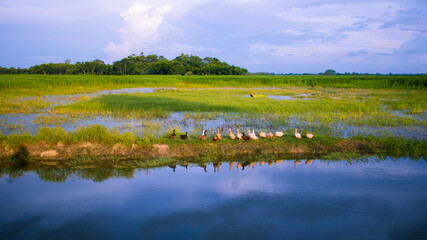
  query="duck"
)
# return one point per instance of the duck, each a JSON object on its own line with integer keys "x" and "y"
{"x": 278, "y": 134}
{"x": 254, "y": 135}
{"x": 183, "y": 137}
{"x": 309, "y": 135}
{"x": 270, "y": 136}
{"x": 308, "y": 161}
{"x": 252, "y": 95}
{"x": 262, "y": 134}
{"x": 172, "y": 136}
{"x": 296, "y": 163}
{"x": 239, "y": 135}
{"x": 215, "y": 138}
{"x": 231, "y": 134}
{"x": 203, "y": 136}
{"x": 297, "y": 135}
{"x": 246, "y": 138}
{"x": 218, "y": 135}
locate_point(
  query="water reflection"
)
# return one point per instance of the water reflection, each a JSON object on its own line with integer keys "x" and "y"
{"x": 267, "y": 199}
{"x": 53, "y": 173}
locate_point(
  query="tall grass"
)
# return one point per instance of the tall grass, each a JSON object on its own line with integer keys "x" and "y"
{"x": 42, "y": 82}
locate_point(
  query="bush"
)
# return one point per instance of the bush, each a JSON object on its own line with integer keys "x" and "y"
{"x": 126, "y": 138}
{"x": 94, "y": 133}
{"x": 51, "y": 135}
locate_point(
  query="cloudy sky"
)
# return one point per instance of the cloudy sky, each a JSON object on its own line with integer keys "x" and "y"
{"x": 261, "y": 35}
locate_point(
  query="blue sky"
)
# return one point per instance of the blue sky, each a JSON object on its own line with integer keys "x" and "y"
{"x": 261, "y": 35}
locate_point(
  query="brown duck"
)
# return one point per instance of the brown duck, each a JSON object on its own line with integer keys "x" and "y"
{"x": 183, "y": 137}
{"x": 172, "y": 136}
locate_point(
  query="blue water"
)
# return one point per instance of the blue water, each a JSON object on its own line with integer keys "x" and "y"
{"x": 287, "y": 200}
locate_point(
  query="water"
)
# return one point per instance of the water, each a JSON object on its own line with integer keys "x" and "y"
{"x": 287, "y": 200}
{"x": 275, "y": 97}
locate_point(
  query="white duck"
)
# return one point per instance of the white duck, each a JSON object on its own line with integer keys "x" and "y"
{"x": 297, "y": 135}
{"x": 254, "y": 135}
{"x": 262, "y": 134}
{"x": 239, "y": 135}
{"x": 309, "y": 135}
{"x": 279, "y": 134}
{"x": 251, "y": 135}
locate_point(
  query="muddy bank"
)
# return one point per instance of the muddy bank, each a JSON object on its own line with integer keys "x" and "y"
{"x": 41, "y": 151}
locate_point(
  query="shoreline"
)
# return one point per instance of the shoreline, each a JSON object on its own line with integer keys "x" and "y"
{"x": 165, "y": 152}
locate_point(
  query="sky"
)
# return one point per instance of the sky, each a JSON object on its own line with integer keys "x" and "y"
{"x": 281, "y": 36}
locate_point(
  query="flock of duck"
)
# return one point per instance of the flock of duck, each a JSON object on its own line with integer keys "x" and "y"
{"x": 241, "y": 136}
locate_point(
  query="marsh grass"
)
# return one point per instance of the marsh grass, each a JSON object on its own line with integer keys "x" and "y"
{"x": 230, "y": 105}
{"x": 33, "y": 83}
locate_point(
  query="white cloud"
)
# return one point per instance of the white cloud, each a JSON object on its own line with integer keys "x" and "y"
{"x": 147, "y": 25}
{"x": 335, "y": 30}
{"x": 141, "y": 29}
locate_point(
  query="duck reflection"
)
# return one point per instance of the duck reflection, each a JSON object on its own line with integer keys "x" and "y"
{"x": 231, "y": 165}
{"x": 101, "y": 173}
{"x": 251, "y": 165}
{"x": 217, "y": 165}
{"x": 202, "y": 166}
{"x": 239, "y": 165}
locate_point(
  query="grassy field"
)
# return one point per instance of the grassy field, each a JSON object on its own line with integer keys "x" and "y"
{"x": 34, "y": 85}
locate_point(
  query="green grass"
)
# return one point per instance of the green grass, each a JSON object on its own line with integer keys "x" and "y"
{"x": 33, "y": 85}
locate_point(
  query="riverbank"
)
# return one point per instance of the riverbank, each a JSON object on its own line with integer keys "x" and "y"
{"x": 176, "y": 151}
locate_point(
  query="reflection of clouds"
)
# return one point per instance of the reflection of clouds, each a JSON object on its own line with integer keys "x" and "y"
{"x": 279, "y": 193}
{"x": 272, "y": 216}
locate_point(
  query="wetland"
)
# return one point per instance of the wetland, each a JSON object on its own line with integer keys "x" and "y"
{"x": 90, "y": 157}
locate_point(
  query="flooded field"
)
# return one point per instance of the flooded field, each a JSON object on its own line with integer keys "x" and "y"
{"x": 269, "y": 199}
{"x": 374, "y": 118}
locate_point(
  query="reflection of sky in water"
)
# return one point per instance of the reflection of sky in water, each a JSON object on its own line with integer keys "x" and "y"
{"x": 334, "y": 200}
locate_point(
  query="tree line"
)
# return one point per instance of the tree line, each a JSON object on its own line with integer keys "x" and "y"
{"x": 135, "y": 65}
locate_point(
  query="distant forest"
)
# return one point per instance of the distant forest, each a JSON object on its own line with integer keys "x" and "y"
{"x": 135, "y": 65}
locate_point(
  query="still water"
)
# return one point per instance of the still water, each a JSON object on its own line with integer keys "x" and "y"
{"x": 301, "y": 199}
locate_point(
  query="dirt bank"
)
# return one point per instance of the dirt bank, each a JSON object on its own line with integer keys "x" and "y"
{"x": 61, "y": 151}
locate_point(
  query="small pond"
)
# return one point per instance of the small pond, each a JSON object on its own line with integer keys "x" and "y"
{"x": 286, "y": 199}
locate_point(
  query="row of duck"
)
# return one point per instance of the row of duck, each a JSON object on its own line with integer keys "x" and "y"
{"x": 241, "y": 136}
